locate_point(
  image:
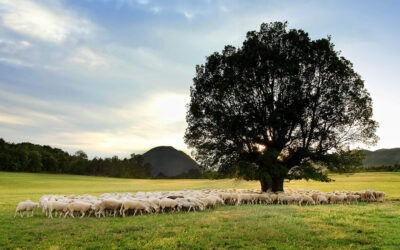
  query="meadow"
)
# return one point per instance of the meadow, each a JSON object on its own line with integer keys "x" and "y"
{"x": 366, "y": 226}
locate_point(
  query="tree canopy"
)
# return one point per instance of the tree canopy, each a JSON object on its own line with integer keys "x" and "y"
{"x": 277, "y": 107}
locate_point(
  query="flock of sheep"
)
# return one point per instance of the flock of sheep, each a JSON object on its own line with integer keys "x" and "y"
{"x": 188, "y": 200}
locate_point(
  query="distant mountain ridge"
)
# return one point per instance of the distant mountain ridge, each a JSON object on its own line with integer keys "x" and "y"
{"x": 167, "y": 161}
{"x": 382, "y": 157}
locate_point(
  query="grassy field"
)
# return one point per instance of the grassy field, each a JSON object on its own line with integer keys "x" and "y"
{"x": 366, "y": 226}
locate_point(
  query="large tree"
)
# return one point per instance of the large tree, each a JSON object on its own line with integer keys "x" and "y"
{"x": 277, "y": 107}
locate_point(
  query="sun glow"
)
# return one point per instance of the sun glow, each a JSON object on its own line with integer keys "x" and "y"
{"x": 169, "y": 108}
{"x": 260, "y": 147}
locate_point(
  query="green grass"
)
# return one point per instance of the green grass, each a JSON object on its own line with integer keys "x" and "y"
{"x": 366, "y": 226}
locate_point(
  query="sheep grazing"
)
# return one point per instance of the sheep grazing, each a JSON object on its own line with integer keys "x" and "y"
{"x": 321, "y": 199}
{"x": 125, "y": 204}
{"x": 135, "y": 205}
{"x": 43, "y": 202}
{"x": 274, "y": 198}
{"x": 110, "y": 204}
{"x": 170, "y": 204}
{"x": 212, "y": 201}
{"x": 307, "y": 199}
{"x": 353, "y": 197}
{"x": 380, "y": 196}
{"x": 367, "y": 195}
{"x": 196, "y": 204}
{"x": 27, "y": 206}
{"x": 155, "y": 203}
{"x": 56, "y": 206}
{"x": 78, "y": 206}
{"x": 340, "y": 198}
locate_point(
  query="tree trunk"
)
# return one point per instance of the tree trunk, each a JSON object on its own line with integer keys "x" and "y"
{"x": 275, "y": 185}
{"x": 264, "y": 186}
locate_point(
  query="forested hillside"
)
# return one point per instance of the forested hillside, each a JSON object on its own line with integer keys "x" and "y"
{"x": 28, "y": 157}
{"x": 159, "y": 162}
{"x": 382, "y": 157}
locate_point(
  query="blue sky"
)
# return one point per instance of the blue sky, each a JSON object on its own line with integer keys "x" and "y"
{"x": 113, "y": 77}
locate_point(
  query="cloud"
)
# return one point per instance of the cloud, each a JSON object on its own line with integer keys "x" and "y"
{"x": 109, "y": 144}
{"x": 86, "y": 57}
{"x": 188, "y": 15}
{"x": 21, "y": 53}
{"x": 139, "y": 68}
{"x": 130, "y": 3}
{"x": 12, "y": 47}
{"x": 12, "y": 119}
{"x": 223, "y": 8}
{"x": 153, "y": 120}
{"x": 155, "y": 9}
{"x": 143, "y": 2}
{"x": 34, "y": 20}
{"x": 15, "y": 62}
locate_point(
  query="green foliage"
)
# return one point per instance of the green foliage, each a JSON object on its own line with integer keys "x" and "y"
{"x": 344, "y": 162}
{"x": 382, "y": 157}
{"x": 50, "y": 162}
{"x": 35, "y": 161}
{"x": 384, "y": 168}
{"x": 28, "y": 157}
{"x": 278, "y": 102}
{"x": 308, "y": 171}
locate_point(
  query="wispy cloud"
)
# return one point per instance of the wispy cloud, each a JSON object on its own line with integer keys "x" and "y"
{"x": 13, "y": 120}
{"x": 14, "y": 61}
{"x": 155, "y": 119}
{"x": 155, "y": 9}
{"x": 223, "y": 8}
{"x": 35, "y": 20}
{"x": 130, "y": 3}
{"x": 188, "y": 15}
{"x": 87, "y": 58}
{"x": 144, "y": 2}
{"x": 12, "y": 47}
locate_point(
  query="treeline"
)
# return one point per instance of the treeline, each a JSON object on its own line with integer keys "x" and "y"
{"x": 197, "y": 174}
{"x": 28, "y": 157}
{"x": 383, "y": 168}
{"x": 382, "y": 157}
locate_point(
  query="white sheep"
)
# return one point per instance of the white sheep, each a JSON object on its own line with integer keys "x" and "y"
{"x": 353, "y": 197}
{"x": 135, "y": 205}
{"x": 197, "y": 203}
{"x": 191, "y": 200}
{"x": 308, "y": 199}
{"x": 168, "y": 203}
{"x": 56, "y": 206}
{"x": 111, "y": 204}
{"x": 78, "y": 206}
{"x": 338, "y": 198}
{"x": 43, "y": 202}
{"x": 380, "y": 196}
{"x": 368, "y": 195}
{"x": 321, "y": 199}
{"x": 27, "y": 206}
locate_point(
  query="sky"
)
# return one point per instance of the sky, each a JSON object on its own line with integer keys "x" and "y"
{"x": 112, "y": 77}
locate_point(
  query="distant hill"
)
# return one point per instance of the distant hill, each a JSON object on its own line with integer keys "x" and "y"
{"x": 167, "y": 161}
{"x": 382, "y": 157}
